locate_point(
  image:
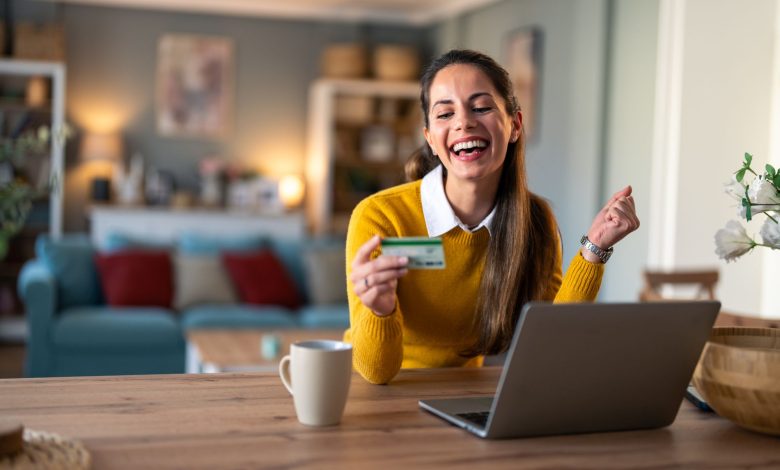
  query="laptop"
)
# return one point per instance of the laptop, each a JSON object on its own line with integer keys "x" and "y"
{"x": 589, "y": 367}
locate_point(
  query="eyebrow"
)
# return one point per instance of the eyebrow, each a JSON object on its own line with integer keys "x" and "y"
{"x": 471, "y": 98}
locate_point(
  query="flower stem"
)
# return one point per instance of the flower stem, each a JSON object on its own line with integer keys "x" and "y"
{"x": 768, "y": 246}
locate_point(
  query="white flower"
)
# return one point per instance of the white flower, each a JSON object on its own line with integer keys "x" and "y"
{"x": 762, "y": 191}
{"x": 732, "y": 241}
{"x": 735, "y": 189}
{"x": 770, "y": 233}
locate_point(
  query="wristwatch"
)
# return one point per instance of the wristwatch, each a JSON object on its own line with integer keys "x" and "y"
{"x": 600, "y": 252}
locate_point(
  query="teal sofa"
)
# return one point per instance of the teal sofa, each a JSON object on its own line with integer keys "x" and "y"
{"x": 71, "y": 330}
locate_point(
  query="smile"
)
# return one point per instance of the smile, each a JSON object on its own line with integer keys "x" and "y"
{"x": 468, "y": 150}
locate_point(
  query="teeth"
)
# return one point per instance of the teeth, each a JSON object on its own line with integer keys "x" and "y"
{"x": 468, "y": 145}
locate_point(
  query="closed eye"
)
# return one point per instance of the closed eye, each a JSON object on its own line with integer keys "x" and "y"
{"x": 444, "y": 115}
{"x": 482, "y": 110}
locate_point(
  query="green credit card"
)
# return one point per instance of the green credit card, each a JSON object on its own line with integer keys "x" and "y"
{"x": 423, "y": 252}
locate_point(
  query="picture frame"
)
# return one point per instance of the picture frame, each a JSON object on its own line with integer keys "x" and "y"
{"x": 194, "y": 86}
{"x": 523, "y": 61}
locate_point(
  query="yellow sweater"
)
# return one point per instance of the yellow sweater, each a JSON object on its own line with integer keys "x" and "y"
{"x": 433, "y": 318}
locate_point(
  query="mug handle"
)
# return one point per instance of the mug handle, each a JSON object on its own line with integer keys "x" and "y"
{"x": 284, "y": 373}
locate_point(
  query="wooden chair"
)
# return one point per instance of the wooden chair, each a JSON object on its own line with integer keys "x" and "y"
{"x": 705, "y": 280}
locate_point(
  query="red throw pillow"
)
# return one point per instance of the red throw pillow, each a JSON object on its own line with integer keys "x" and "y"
{"x": 260, "y": 278}
{"x": 136, "y": 278}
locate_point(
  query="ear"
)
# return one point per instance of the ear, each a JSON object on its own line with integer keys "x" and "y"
{"x": 427, "y": 135}
{"x": 517, "y": 126}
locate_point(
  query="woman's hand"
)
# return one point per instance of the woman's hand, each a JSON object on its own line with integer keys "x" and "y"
{"x": 616, "y": 220}
{"x": 375, "y": 281}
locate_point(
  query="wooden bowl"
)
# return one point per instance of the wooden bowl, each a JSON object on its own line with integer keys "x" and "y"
{"x": 739, "y": 376}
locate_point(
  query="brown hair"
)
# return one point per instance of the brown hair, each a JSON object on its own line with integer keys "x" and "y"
{"x": 523, "y": 232}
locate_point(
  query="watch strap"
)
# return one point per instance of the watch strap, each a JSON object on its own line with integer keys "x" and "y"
{"x": 596, "y": 250}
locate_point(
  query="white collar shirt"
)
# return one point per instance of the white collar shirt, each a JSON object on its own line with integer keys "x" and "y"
{"x": 437, "y": 211}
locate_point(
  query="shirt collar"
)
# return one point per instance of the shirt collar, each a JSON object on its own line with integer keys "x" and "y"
{"x": 437, "y": 211}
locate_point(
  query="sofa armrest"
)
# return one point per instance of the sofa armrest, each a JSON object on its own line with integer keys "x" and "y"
{"x": 38, "y": 290}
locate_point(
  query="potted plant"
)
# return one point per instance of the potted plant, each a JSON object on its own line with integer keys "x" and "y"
{"x": 17, "y": 191}
{"x": 761, "y": 195}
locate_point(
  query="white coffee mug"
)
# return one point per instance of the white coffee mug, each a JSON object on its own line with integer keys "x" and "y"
{"x": 317, "y": 375}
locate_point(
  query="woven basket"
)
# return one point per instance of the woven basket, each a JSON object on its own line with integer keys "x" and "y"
{"x": 344, "y": 61}
{"x": 44, "y": 450}
{"x": 392, "y": 62}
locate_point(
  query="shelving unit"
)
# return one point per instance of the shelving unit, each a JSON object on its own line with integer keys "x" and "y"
{"x": 52, "y": 113}
{"x": 18, "y": 116}
{"x": 360, "y": 134}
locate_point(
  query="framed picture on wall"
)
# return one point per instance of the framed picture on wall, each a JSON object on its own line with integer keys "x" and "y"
{"x": 194, "y": 86}
{"x": 522, "y": 59}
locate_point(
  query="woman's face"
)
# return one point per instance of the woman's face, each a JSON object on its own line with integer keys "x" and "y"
{"x": 468, "y": 126}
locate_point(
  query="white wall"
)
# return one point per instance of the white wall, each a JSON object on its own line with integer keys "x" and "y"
{"x": 629, "y": 139}
{"x": 726, "y": 77}
{"x": 564, "y": 162}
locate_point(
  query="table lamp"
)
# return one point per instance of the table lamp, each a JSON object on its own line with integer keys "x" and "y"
{"x": 291, "y": 191}
{"x": 101, "y": 147}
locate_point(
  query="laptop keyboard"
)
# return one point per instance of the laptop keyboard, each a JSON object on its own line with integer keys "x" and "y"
{"x": 479, "y": 418}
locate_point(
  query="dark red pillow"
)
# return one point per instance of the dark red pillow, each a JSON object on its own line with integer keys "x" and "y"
{"x": 260, "y": 278}
{"x": 136, "y": 278}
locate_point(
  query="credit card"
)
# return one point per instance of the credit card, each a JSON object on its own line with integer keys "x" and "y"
{"x": 423, "y": 252}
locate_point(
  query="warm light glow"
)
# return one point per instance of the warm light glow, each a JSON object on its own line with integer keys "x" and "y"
{"x": 291, "y": 191}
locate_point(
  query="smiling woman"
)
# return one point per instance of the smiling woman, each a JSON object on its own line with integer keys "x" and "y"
{"x": 500, "y": 240}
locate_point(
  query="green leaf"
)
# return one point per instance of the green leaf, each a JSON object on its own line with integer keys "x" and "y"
{"x": 770, "y": 170}
{"x": 748, "y": 212}
{"x": 740, "y": 174}
{"x": 748, "y": 158}
{"x": 776, "y": 181}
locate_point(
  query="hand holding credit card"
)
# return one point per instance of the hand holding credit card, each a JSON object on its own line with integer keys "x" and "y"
{"x": 423, "y": 252}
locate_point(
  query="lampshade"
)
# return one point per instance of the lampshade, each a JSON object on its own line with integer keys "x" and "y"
{"x": 95, "y": 146}
{"x": 291, "y": 191}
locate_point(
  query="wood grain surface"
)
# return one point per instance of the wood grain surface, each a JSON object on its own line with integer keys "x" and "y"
{"x": 248, "y": 421}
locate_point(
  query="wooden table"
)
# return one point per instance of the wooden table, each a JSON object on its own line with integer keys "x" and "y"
{"x": 248, "y": 421}
{"x": 212, "y": 350}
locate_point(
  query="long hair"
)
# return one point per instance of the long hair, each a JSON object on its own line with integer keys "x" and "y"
{"x": 523, "y": 232}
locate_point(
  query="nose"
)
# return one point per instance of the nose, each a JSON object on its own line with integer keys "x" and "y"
{"x": 465, "y": 120}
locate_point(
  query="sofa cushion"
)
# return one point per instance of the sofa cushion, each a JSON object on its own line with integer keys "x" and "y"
{"x": 142, "y": 278}
{"x": 116, "y": 329}
{"x": 71, "y": 260}
{"x": 326, "y": 275}
{"x": 201, "y": 279}
{"x": 198, "y": 244}
{"x": 324, "y": 316}
{"x": 260, "y": 278}
{"x": 237, "y": 316}
{"x": 289, "y": 251}
{"x": 117, "y": 241}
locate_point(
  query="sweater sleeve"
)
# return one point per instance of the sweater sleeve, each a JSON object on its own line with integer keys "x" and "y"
{"x": 377, "y": 344}
{"x": 581, "y": 282}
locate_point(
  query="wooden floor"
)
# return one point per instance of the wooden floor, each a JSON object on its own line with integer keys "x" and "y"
{"x": 11, "y": 360}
